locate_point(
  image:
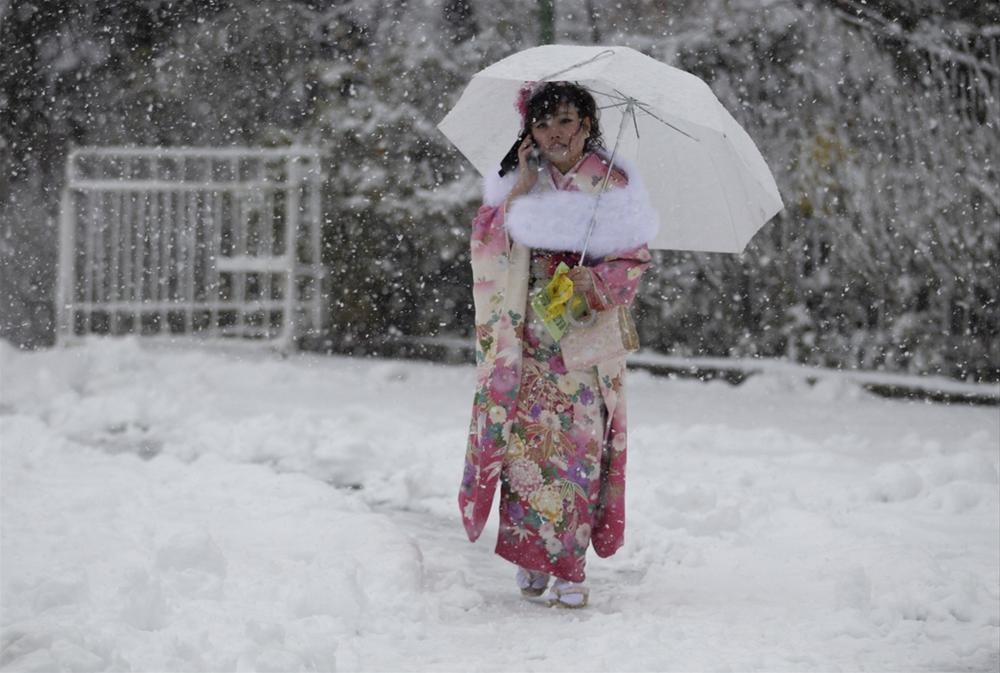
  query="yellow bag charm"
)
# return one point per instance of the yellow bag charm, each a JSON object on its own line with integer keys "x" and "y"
{"x": 550, "y": 302}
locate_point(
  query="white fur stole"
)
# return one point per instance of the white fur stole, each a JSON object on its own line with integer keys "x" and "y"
{"x": 558, "y": 220}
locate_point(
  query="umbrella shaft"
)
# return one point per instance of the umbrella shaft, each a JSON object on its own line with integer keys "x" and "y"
{"x": 629, "y": 110}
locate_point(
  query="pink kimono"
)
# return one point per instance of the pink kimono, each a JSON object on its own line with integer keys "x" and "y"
{"x": 555, "y": 439}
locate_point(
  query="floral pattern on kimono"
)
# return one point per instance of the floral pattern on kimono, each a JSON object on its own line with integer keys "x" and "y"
{"x": 555, "y": 440}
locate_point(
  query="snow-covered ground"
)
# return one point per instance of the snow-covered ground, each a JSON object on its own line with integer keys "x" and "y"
{"x": 188, "y": 510}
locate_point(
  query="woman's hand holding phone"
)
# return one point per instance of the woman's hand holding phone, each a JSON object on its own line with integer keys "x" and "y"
{"x": 527, "y": 156}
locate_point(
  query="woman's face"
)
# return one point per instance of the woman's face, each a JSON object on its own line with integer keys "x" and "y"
{"x": 561, "y": 136}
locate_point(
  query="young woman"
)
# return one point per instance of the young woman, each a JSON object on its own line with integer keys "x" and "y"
{"x": 554, "y": 438}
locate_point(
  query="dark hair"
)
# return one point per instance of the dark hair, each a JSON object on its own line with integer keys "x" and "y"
{"x": 545, "y": 102}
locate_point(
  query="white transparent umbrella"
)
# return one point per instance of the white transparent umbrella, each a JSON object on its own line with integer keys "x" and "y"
{"x": 707, "y": 180}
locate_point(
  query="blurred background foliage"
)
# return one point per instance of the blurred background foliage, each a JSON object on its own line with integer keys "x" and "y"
{"x": 879, "y": 120}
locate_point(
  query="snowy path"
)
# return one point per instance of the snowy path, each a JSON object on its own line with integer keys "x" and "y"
{"x": 173, "y": 510}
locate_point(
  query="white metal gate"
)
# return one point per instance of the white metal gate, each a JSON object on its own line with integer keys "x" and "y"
{"x": 191, "y": 242}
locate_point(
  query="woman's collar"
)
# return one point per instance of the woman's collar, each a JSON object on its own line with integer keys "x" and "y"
{"x": 563, "y": 180}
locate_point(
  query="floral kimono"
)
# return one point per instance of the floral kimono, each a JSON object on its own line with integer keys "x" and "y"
{"x": 555, "y": 439}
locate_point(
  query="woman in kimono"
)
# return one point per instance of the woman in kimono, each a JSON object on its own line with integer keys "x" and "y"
{"x": 554, "y": 438}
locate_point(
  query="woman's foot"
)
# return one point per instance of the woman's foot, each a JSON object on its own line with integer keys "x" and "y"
{"x": 565, "y": 594}
{"x": 532, "y": 582}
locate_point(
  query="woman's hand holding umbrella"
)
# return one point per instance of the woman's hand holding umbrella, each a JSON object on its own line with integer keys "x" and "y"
{"x": 583, "y": 280}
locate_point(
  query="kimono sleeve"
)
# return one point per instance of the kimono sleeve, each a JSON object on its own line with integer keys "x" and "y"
{"x": 488, "y": 231}
{"x": 616, "y": 278}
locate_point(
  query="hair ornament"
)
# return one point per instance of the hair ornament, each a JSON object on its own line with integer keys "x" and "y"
{"x": 524, "y": 94}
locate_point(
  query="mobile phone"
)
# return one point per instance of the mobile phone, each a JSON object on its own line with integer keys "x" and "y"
{"x": 510, "y": 161}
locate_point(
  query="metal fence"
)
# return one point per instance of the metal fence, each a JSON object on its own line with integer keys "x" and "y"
{"x": 191, "y": 243}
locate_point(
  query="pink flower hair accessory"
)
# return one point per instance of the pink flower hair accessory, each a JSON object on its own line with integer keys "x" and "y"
{"x": 524, "y": 94}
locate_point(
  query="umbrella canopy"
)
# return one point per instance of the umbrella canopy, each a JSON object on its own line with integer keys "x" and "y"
{"x": 705, "y": 177}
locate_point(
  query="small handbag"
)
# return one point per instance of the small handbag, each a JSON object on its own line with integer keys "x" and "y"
{"x": 610, "y": 335}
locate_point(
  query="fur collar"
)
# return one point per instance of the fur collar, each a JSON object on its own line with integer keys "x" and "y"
{"x": 558, "y": 220}
{"x": 496, "y": 189}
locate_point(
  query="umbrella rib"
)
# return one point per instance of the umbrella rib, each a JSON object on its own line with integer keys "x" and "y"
{"x": 729, "y": 208}
{"x": 601, "y": 54}
{"x": 645, "y": 108}
{"x": 624, "y": 99}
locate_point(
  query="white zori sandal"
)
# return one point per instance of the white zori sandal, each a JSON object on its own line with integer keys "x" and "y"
{"x": 565, "y": 594}
{"x": 532, "y": 582}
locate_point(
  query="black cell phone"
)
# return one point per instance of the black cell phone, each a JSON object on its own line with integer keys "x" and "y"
{"x": 511, "y": 160}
